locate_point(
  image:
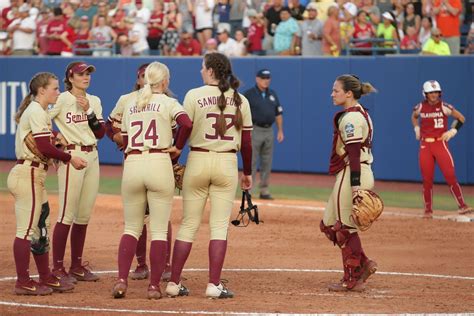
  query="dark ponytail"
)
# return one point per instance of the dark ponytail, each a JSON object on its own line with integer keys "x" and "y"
{"x": 222, "y": 70}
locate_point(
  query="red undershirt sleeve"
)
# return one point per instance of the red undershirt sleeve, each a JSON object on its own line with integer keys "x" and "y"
{"x": 47, "y": 149}
{"x": 185, "y": 128}
{"x": 246, "y": 151}
{"x": 353, "y": 151}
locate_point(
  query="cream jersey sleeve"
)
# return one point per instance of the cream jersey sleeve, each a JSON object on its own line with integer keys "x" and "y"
{"x": 72, "y": 121}
{"x": 353, "y": 128}
{"x": 35, "y": 120}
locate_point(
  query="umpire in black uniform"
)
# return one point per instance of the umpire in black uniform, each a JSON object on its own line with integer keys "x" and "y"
{"x": 266, "y": 109}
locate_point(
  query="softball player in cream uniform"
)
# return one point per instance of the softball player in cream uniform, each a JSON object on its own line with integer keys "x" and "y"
{"x": 78, "y": 116}
{"x": 148, "y": 173}
{"x": 351, "y": 160}
{"x": 26, "y": 184}
{"x": 222, "y": 125}
{"x": 115, "y": 119}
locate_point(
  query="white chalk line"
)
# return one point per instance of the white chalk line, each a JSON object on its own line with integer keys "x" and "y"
{"x": 142, "y": 311}
{"x": 410, "y": 274}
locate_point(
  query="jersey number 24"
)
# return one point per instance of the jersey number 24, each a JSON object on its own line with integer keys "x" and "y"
{"x": 150, "y": 134}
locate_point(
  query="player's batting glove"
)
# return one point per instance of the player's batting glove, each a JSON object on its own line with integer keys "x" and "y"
{"x": 449, "y": 134}
{"x": 417, "y": 132}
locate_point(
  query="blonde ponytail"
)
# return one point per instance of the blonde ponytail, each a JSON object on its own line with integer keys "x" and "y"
{"x": 155, "y": 73}
{"x": 144, "y": 97}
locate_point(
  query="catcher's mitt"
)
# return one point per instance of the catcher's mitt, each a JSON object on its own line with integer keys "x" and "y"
{"x": 31, "y": 144}
{"x": 366, "y": 208}
{"x": 178, "y": 171}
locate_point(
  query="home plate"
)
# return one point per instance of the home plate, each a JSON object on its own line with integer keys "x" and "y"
{"x": 459, "y": 218}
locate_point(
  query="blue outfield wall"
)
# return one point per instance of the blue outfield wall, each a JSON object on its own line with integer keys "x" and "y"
{"x": 304, "y": 87}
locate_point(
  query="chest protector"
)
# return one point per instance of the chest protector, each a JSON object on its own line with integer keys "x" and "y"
{"x": 337, "y": 162}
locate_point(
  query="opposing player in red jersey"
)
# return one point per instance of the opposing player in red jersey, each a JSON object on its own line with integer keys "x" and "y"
{"x": 430, "y": 121}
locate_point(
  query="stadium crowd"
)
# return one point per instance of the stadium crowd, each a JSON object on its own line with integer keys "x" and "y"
{"x": 235, "y": 27}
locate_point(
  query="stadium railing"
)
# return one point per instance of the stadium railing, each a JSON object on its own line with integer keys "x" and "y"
{"x": 91, "y": 48}
{"x": 378, "y": 46}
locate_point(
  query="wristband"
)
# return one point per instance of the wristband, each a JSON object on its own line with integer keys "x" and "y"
{"x": 457, "y": 124}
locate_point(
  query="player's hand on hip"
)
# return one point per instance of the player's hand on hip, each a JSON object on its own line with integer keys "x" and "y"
{"x": 449, "y": 134}
{"x": 417, "y": 132}
{"x": 78, "y": 163}
{"x": 280, "y": 136}
{"x": 173, "y": 151}
{"x": 83, "y": 102}
{"x": 246, "y": 182}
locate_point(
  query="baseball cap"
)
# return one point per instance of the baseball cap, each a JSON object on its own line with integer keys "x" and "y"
{"x": 312, "y": 6}
{"x": 81, "y": 67}
{"x": 252, "y": 13}
{"x": 33, "y": 12}
{"x": 24, "y": 8}
{"x": 84, "y": 18}
{"x": 138, "y": 1}
{"x": 387, "y": 15}
{"x": 264, "y": 73}
{"x": 141, "y": 69}
{"x": 221, "y": 28}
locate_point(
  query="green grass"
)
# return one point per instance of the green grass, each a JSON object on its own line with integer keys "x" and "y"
{"x": 390, "y": 198}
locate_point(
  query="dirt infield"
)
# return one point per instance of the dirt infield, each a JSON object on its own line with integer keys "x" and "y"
{"x": 430, "y": 265}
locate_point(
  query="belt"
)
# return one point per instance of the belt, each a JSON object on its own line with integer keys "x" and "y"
{"x": 207, "y": 150}
{"x": 139, "y": 152}
{"x": 81, "y": 148}
{"x": 264, "y": 125}
{"x": 431, "y": 139}
{"x": 32, "y": 163}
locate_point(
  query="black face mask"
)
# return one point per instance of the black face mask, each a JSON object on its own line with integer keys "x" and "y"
{"x": 246, "y": 214}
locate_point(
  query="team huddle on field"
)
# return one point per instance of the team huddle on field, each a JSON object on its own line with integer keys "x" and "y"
{"x": 151, "y": 128}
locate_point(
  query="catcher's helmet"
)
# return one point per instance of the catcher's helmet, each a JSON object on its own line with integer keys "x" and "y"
{"x": 431, "y": 86}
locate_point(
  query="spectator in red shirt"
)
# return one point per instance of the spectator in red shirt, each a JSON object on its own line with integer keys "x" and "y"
{"x": 156, "y": 26}
{"x": 68, "y": 37}
{"x": 410, "y": 40}
{"x": 55, "y": 29}
{"x": 188, "y": 46}
{"x": 10, "y": 13}
{"x": 82, "y": 34}
{"x": 255, "y": 33}
{"x": 41, "y": 31}
{"x": 363, "y": 30}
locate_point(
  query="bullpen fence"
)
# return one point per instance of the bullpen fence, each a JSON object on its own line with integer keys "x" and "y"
{"x": 304, "y": 87}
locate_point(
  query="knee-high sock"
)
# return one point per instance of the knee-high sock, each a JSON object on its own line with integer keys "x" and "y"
{"x": 78, "y": 239}
{"x": 181, "y": 252}
{"x": 21, "y": 253}
{"x": 457, "y": 193}
{"x": 157, "y": 260}
{"x": 141, "y": 247}
{"x": 428, "y": 199}
{"x": 169, "y": 238}
{"x": 217, "y": 250}
{"x": 127, "y": 248}
{"x": 42, "y": 264}
{"x": 61, "y": 231}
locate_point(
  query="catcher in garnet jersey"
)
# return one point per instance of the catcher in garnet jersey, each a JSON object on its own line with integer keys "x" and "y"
{"x": 351, "y": 160}
{"x": 430, "y": 121}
